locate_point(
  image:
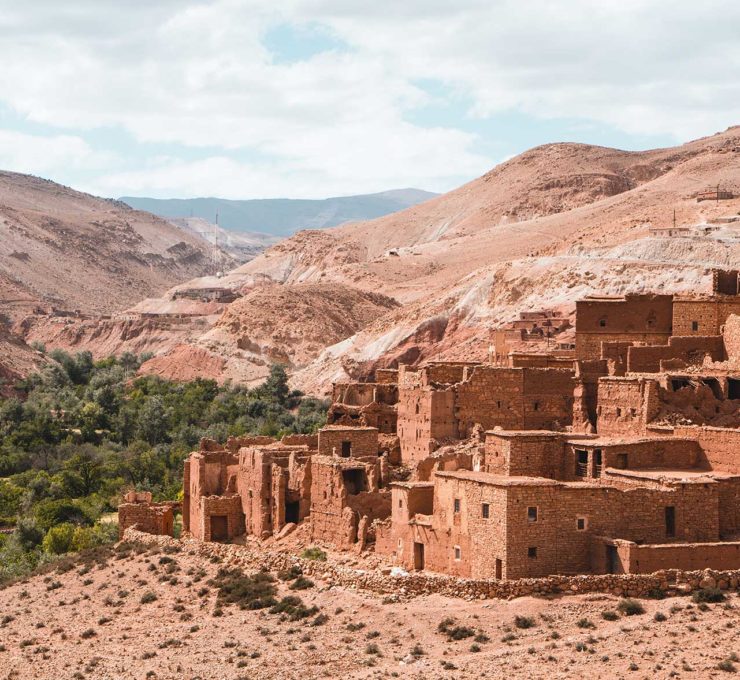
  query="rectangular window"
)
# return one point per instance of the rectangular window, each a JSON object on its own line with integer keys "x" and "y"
{"x": 531, "y": 514}
{"x": 536, "y": 406}
{"x": 346, "y": 449}
{"x": 458, "y": 553}
{"x": 581, "y": 463}
{"x": 486, "y": 511}
{"x": 457, "y": 505}
{"x": 532, "y": 553}
{"x": 581, "y": 524}
{"x": 400, "y": 503}
{"x": 602, "y": 323}
{"x": 694, "y": 325}
{"x": 670, "y": 521}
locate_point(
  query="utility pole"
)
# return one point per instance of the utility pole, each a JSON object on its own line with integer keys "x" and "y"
{"x": 215, "y": 244}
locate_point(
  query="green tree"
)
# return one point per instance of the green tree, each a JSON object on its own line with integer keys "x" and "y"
{"x": 58, "y": 539}
{"x": 153, "y": 424}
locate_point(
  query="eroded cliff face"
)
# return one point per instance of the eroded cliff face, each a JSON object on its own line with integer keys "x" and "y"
{"x": 274, "y": 324}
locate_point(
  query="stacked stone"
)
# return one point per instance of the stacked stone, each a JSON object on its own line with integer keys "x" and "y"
{"x": 671, "y": 581}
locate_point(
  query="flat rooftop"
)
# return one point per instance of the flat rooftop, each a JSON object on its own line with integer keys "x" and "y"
{"x": 534, "y": 434}
{"x": 606, "y": 442}
{"x": 347, "y": 428}
{"x": 497, "y": 480}
{"x": 673, "y": 474}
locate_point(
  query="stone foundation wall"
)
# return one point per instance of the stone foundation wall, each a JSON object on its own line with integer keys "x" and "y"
{"x": 671, "y": 581}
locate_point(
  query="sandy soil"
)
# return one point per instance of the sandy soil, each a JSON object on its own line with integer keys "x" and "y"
{"x": 91, "y": 622}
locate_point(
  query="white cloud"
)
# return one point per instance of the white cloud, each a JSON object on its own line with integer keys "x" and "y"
{"x": 197, "y": 75}
{"x": 40, "y": 155}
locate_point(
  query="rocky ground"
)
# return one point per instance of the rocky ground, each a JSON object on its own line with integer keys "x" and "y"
{"x": 155, "y": 612}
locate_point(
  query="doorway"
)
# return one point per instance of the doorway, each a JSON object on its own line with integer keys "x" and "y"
{"x": 499, "y": 569}
{"x": 670, "y": 521}
{"x": 418, "y": 556}
{"x": 611, "y": 559}
{"x": 291, "y": 512}
{"x": 219, "y": 528}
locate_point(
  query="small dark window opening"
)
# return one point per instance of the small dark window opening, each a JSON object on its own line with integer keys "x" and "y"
{"x": 602, "y": 323}
{"x": 733, "y": 388}
{"x": 694, "y": 325}
{"x": 581, "y": 524}
{"x": 400, "y": 503}
{"x": 498, "y": 404}
{"x": 670, "y": 521}
{"x": 458, "y": 552}
{"x": 581, "y": 463}
{"x": 532, "y": 553}
{"x": 531, "y": 514}
{"x": 486, "y": 510}
{"x": 537, "y": 406}
{"x": 355, "y": 481}
{"x": 346, "y": 449}
{"x": 457, "y": 505}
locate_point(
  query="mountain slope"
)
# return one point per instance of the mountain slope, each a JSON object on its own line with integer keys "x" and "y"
{"x": 540, "y": 200}
{"x": 540, "y": 230}
{"x": 282, "y": 216}
{"x": 69, "y": 250}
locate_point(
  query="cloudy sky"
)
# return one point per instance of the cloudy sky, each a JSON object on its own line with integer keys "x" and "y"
{"x": 315, "y": 98}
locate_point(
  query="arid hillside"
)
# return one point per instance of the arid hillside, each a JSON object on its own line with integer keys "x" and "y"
{"x": 72, "y": 251}
{"x": 274, "y": 324}
{"x": 541, "y": 230}
{"x": 140, "y": 611}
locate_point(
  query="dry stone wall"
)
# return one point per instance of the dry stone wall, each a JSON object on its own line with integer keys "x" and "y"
{"x": 415, "y": 584}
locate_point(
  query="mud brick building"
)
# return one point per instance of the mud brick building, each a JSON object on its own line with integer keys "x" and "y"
{"x": 621, "y": 456}
{"x": 138, "y": 511}
{"x": 441, "y": 402}
{"x": 366, "y": 404}
{"x": 346, "y": 497}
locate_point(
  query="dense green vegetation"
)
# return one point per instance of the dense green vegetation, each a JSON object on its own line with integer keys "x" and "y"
{"x": 82, "y": 432}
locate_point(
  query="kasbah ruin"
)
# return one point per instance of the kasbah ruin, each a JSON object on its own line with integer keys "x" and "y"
{"x": 617, "y": 453}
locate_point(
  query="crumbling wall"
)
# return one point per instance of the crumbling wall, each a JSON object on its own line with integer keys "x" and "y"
{"x": 626, "y": 405}
{"x": 157, "y": 519}
{"x": 688, "y": 350}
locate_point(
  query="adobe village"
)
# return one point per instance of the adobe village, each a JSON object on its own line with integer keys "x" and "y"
{"x": 618, "y": 456}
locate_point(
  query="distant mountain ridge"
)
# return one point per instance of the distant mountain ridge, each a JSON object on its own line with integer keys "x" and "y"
{"x": 283, "y": 216}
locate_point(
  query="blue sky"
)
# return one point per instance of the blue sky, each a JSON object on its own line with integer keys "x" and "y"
{"x": 314, "y": 98}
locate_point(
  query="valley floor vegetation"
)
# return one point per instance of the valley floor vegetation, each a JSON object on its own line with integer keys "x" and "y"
{"x": 81, "y": 432}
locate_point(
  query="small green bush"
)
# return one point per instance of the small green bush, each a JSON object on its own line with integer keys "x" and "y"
{"x": 314, "y": 553}
{"x": 524, "y": 622}
{"x": 630, "y": 607}
{"x": 708, "y": 595}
